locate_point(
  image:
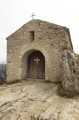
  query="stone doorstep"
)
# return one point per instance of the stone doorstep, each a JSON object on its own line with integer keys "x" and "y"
{"x": 38, "y": 80}
{"x": 35, "y": 79}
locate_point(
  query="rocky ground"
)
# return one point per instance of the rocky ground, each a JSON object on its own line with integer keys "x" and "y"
{"x": 36, "y": 100}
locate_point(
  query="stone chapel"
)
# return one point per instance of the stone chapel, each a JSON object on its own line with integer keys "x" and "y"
{"x": 34, "y": 51}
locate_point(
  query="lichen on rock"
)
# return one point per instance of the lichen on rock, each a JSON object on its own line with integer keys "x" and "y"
{"x": 69, "y": 68}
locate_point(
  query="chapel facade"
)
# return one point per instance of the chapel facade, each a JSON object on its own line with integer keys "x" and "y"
{"x": 34, "y": 51}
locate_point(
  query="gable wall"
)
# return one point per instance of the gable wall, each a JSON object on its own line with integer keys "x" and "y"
{"x": 49, "y": 40}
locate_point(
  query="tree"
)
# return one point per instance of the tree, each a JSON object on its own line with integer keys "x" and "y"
{"x": 2, "y": 73}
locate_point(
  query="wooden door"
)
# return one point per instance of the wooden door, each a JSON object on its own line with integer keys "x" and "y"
{"x": 36, "y": 65}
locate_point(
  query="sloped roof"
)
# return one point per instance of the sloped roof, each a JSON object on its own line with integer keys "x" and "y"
{"x": 41, "y": 24}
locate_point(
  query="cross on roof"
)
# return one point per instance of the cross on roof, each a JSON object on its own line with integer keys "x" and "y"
{"x": 32, "y": 16}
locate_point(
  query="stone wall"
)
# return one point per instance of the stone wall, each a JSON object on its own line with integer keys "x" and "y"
{"x": 50, "y": 39}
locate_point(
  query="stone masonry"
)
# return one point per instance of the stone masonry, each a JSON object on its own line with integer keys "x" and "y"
{"x": 37, "y": 35}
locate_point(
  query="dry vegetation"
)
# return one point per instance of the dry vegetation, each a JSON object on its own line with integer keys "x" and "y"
{"x": 2, "y": 73}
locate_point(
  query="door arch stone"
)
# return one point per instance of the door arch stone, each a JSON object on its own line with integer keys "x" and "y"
{"x": 36, "y": 65}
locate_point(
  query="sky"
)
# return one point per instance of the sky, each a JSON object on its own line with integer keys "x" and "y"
{"x": 15, "y": 13}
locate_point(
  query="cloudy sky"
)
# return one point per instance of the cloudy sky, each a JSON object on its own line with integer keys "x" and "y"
{"x": 15, "y": 13}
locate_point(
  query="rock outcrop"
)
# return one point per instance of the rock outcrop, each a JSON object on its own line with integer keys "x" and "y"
{"x": 70, "y": 74}
{"x": 32, "y": 100}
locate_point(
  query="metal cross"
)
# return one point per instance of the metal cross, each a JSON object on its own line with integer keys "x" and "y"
{"x": 36, "y": 60}
{"x": 32, "y": 16}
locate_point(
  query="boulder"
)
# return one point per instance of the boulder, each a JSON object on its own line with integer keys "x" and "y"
{"x": 70, "y": 74}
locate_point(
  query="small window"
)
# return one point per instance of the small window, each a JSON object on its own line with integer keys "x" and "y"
{"x": 32, "y": 35}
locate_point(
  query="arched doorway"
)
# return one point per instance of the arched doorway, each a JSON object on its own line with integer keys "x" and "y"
{"x": 36, "y": 65}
